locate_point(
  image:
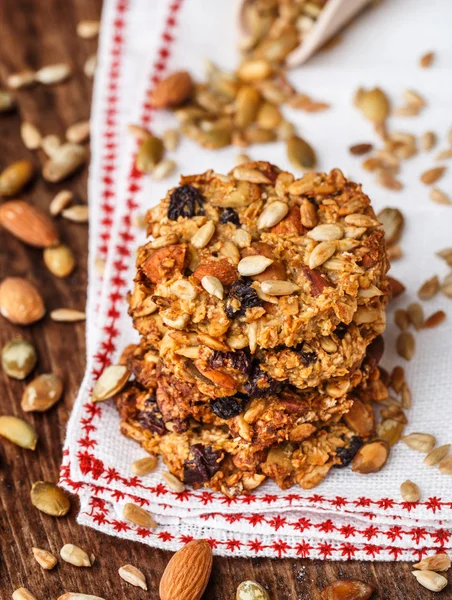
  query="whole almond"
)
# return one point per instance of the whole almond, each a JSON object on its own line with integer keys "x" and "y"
{"x": 15, "y": 177}
{"x": 173, "y": 90}
{"x": 20, "y": 301}
{"x": 347, "y": 589}
{"x": 187, "y": 573}
{"x": 371, "y": 457}
{"x": 28, "y": 224}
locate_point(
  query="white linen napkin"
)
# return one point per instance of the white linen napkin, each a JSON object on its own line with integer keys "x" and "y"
{"x": 352, "y": 515}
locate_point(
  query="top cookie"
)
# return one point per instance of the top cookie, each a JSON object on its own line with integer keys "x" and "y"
{"x": 257, "y": 259}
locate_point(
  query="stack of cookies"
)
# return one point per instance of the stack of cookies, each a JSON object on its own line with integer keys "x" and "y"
{"x": 260, "y": 303}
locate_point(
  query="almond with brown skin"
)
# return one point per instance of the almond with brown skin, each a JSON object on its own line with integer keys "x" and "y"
{"x": 222, "y": 269}
{"x": 164, "y": 262}
{"x": 371, "y": 457}
{"x": 20, "y": 301}
{"x": 347, "y": 589}
{"x": 396, "y": 287}
{"x": 28, "y": 224}
{"x": 172, "y": 91}
{"x": 187, "y": 573}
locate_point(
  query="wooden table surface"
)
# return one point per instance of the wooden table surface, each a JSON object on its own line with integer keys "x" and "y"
{"x": 35, "y": 33}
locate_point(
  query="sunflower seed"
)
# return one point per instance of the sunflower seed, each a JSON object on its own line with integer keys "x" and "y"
{"x": 444, "y": 154}
{"x": 432, "y": 175}
{"x": 213, "y": 286}
{"x": 405, "y": 345}
{"x": 88, "y": 29}
{"x": 436, "y": 455}
{"x": 387, "y": 180}
{"x": 67, "y": 315}
{"x": 145, "y": 465}
{"x": 75, "y": 556}
{"x": 60, "y": 202}
{"x": 409, "y": 110}
{"x": 111, "y": 382}
{"x": 24, "y": 79}
{"x": 78, "y": 596}
{"x": 90, "y": 65}
{"x": 401, "y": 319}
{"x": 422, "y": 442}
{"x": 253, "y": 265}
{"x": 321, "y": 253}
{"x": 170, "y": 139}
{"x": 23, "y": 594}
{"x": 440, "y": 197}
{"x": 437, "y": 562}
{"x": 138, "y": 516}
{"x": 78, "y": 132}
{"x": 51, "y": 74}
{"x": 173, "y": 482}
{"x": 163, "y": 169}
{"x": 18, "y": 358}
{"x": 414, "y": 99}
{"x": 250, "y": 175}
{"x": 59, "y": 260}
{"x": 426, "y": 60}
{"x": 397, "y": 378}
{"x": 415, "y": 314}
{"x": 410, "y": 491}
{"x": 242, "y": 159}
{"x": 251, "y": 590}
{"x": 428, "y": 141}
{"x": 45, "y": 559}
{"x": 203, "y": 236}
{"x": 434, "y": 319}
{"x": 18, "y": 432}
{"x": 272, "y": 214}
{"x": 359, "y": 220}
{"x": 78, "y": 213}
{"x": 50, "y": 144}
{"x": 429, "y": 288}
{"x": 49, "y": 499}
{"x": 446, "y": 255}
{"x": 278, "y": 288}
{"x": 430, "y": 580}
{"x": 254, "y": 70}
{"x": 326, "y": 232}
{"x": 445, "y": 465}
{"x": 133, "y": 576}
{"x": 64, "y": 161}
{"x": 30, "y": 135}
{"x": 300, "y": 153}
{"x": 7, "y": 101}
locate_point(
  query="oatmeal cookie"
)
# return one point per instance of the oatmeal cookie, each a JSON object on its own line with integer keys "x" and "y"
{"x": 259, "y": 260}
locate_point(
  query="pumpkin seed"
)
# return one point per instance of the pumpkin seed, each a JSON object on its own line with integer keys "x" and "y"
{"x": 52, "y": 74}
{"x": 138, "y": 516}
{"x": 18, "y": 432}
{"x": 436, "y": 455}
{"x": 173, "y": 482}
{"x": 78, "y": 132}
{"x": 45, "y": 559}
{"x": 430, "y": 580}
{"x": 371, "y": 457}
{"x": 145, "y": 465}
{"x": 437, "y": 562}
{"x": 64, "y": 161}
{"x": 75, "y": 556}
{"x": 30, "y": 135}
{"x": 300, "y": 153}
{"x": 374, "y": 104}
{"x": 18, "y": 358}
{"x": 251, "y": 590}
{"x": 67, "y": 315}
{"x": 49, "y": 499}
{"x": 405, "y": 345}
{"x": 42, "y": 393}
{"x": 15, "y": 177}
{"x": 422, "y": 442}
{"x": 59, "y": 260}
{"x": 112, "y": 380}
{"x": 79, "y": 213}
{"x": 133, "y": 576}
{"x": 410, "y": 491}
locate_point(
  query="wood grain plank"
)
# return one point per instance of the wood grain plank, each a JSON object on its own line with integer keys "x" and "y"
{"x": 34, "y": 34}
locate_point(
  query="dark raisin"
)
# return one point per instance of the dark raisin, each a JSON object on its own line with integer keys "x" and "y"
{"x": 307, "y": 357}
{"x": 228, "y": 215}
{"x": 151, "y": 418}
{"x": 347, "y": 454}
{"x": 238, "y": 360}
{"x": 259, "y": 383}
{"x": 202, "y": 464}
{"x": 228, "y": 406}
{"x": 341, "y": 330}
{"x": 246, "y": 296}
{"x": 185, "y": 201}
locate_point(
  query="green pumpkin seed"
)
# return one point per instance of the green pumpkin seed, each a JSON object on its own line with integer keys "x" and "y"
{"x": 149, "y": 154}
{"x": 251, "y": 590}
{"x": 300, "y": 153}
{"x": 42, "y": 393}
{"x": 49, "y": 499}
{"x": 18, "y": 358}
{"x": 18, "y": 432}
{"x": 215, "y": 138}
{"x": 15, "y": 177}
